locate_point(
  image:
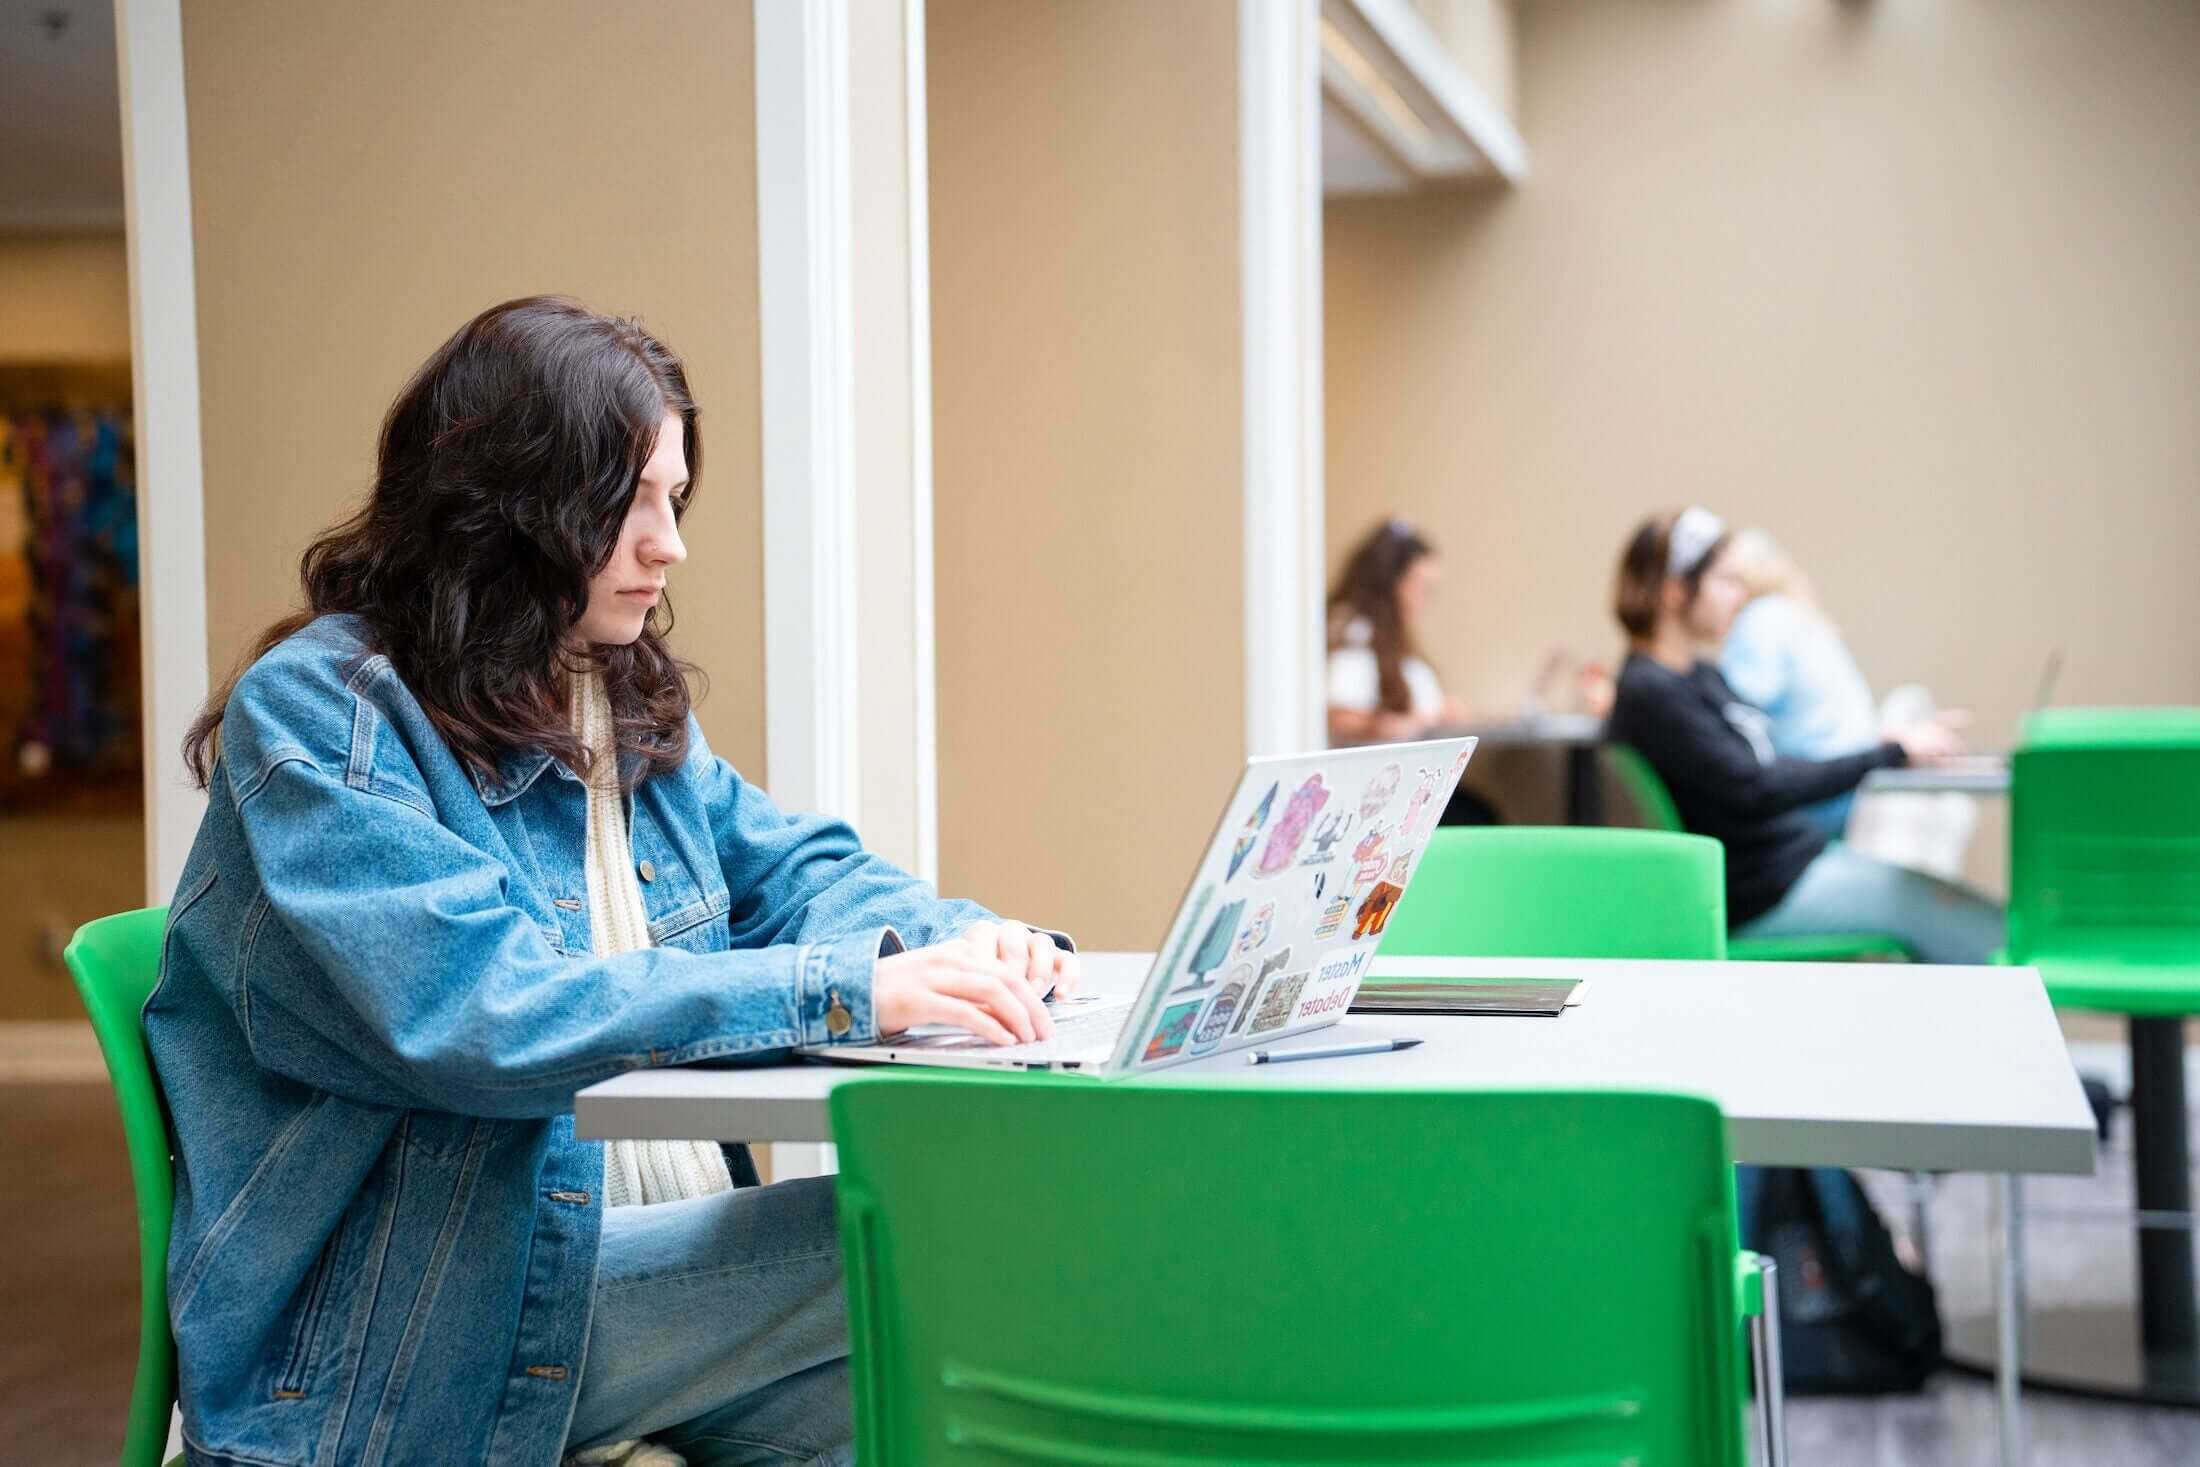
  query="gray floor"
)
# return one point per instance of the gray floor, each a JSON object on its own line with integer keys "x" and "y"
{"x": 1954, "y": 1423}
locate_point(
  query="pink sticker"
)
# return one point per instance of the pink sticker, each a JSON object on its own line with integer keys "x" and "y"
{"x": 1378, "y": 791}
{"x": 1291, "y": 827}
{"x": 1419, "y": 804}
{"x": 1371, "y": 855}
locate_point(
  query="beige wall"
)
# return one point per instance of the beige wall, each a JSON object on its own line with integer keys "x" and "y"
{"x": 1479, "y": 36}
{"x": 1910, "y": 286}
{"x": 365, "y": 178}
{"x": 1086, "y": 391}
{"x": 64, "y": 298}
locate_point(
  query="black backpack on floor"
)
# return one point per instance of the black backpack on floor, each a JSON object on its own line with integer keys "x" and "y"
{"x": 1853, "y": 1320}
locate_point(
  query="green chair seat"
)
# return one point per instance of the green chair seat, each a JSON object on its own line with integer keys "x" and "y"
{"x": 115, "y": 963}
{"x": 1653, "y": 803}
{"x": 1563, "y": 892}
{"x": 1250, "y": 1273}
{"x": 2104, "y": 858}
{"x": 2122, "y": 988}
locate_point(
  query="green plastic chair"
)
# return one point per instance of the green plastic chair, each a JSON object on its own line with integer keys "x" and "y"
{"x": 1653, "y": 803}
{"x": 2104, "y": 858}
{"x": 2104, "y": 899}
{"x": 115, "y": 962}
{"x": 1563, "y": 892}
{"x": 1170, "y": 1274}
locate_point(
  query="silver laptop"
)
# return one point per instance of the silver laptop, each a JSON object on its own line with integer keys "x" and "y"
{"x": 1272, "y": 937}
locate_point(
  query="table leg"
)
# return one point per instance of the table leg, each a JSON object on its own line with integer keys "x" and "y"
{"x": 2169, "y": 1332}
{"x": 2009, "y": 1317}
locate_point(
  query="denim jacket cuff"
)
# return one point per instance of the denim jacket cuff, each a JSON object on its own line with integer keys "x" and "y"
{"x": 833, "y": 996}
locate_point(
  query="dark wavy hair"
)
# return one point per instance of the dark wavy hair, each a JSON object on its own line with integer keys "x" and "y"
{"x": 505, "y": 472}
{"x": 1368, "y": 588}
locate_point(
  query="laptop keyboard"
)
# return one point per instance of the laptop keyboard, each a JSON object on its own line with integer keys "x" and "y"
{"x": 1075, "y": 1033}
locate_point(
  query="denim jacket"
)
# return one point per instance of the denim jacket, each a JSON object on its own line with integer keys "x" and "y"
{"x": 377, "y": 999}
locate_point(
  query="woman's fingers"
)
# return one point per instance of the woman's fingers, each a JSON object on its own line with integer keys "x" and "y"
{"x": 993, "y": 991}
{"x": 1026, "y": 956}
{"x": 1068, "y": 973}
{"x": 942, "y": 1008}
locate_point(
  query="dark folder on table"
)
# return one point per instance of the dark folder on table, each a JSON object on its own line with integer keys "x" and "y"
{"x": 1527, "y": 997}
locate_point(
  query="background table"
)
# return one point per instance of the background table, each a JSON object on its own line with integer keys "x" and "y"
{"x": 1815, "y": 1064}
{"x": 1980, "y": 775}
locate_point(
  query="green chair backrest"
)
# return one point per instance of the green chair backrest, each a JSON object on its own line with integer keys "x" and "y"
{"x": 1653, "y": 802}
{"x": 1563, "y": 892}
{"x": 1080, "y": 1272}
{"x": 115, "y": 962}
{"x": 2104, "y": 839}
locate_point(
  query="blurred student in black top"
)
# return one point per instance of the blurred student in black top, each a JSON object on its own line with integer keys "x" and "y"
{"x": 1715, "y": 754}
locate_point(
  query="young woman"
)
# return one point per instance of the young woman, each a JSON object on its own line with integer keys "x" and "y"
{"x": 1380, "y": 687}
{"x": 1677, "y": 593}
{"x": 466, "y": 852}
{"x": 1784, "y": 655}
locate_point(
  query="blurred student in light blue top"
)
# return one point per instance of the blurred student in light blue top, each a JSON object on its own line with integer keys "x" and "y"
{"x": 1785, "y": 656}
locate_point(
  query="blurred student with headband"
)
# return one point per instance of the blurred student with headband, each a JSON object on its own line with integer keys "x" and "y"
{"x": 1677, "y": 592}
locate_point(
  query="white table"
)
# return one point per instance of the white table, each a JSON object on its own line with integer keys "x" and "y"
{"x": 1977, "y": 775}
{"x": 1815, "y": 1064}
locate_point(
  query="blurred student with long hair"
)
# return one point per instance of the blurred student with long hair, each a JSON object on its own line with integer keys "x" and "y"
{"x": 1381, "y": 689}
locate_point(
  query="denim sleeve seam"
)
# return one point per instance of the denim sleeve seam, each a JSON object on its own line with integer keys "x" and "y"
{"x": 274, "y": 759}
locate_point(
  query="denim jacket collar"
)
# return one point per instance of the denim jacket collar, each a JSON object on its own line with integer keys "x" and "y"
{"x": 516, "y": 771}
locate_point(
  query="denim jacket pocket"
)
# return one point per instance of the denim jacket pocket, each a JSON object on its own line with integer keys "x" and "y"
{"x": 699, "y": 926}
{"x": 311, "y": 1326}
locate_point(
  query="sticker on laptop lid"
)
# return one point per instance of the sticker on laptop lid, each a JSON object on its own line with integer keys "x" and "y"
{"x": 1378, "y": 791}
{"x": 1277, "y": 1002}
{"x": 1282, "y": 850}
{"x": 1419, "y": 805}
{"x": 1335, "y": 978}
{"x": 1216, "y": 1022}
{"x": 1328, "y": 832}
{"x": 1243, "y": 846}
{"x": 1371, "y": 855}
{"x": 1257, "y": 928}
{"x": 1332, "y": 919}
{"x": 1270, "y": 966}
{"x": 1375, "y": 909}
{"x": 1214, "y": 949}
{"x": 1173, "y": 1031}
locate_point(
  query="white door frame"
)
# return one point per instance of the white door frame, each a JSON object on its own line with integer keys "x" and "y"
{"x": 1280, "y": 244}
{"x": 164, "y": 368}
{"x": 804, "y": 284}
{"x": 825, "y": 621}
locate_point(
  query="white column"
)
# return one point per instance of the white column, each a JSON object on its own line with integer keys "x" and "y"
{"x": 164, "y": 363}
{"x": 803, "y": 288}
{"x": 1279, "y": 141}
{"x": 845, "y": 314}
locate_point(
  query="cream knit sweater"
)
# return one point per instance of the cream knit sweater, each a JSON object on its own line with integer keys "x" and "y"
{"x": 635, "y": 1172}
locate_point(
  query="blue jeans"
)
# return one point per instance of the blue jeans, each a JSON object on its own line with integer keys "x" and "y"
{"x": 720, "y": 1330}
{"x": 1832, "y": 816}
{"x": 1843, "y": 891}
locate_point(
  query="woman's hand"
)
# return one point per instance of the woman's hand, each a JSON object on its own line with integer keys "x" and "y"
{"x": 1052, "y": 970}
{"x": 965, "y": 982}
{"x": 1933, "y": 741}
{"x": 1398, "y": 728}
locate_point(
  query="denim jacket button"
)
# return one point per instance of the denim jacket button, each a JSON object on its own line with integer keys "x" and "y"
{"x": 647, "y": 870}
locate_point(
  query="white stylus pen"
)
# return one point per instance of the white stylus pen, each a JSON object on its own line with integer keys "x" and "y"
{"x": 1279, "y": 1056}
